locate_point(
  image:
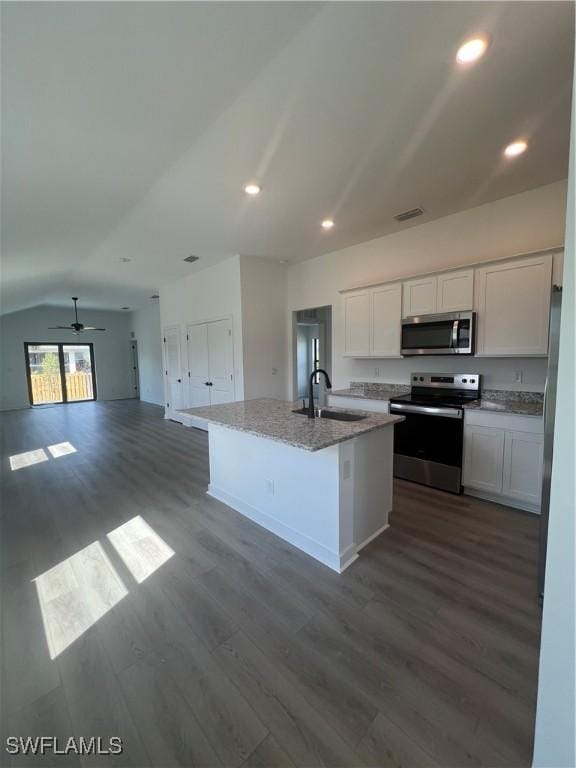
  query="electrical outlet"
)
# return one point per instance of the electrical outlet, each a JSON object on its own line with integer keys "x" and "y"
{"x": 270, "y": 487}
{"x": 518, "y": 376}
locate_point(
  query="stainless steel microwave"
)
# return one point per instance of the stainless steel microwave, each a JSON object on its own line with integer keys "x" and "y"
{"x": 447, "y": 334}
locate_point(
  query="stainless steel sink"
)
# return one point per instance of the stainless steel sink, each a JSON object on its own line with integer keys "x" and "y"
{"x": 335, "y": 415}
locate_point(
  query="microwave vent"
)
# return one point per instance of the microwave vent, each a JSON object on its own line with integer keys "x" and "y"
{"x": 405, "y": 215}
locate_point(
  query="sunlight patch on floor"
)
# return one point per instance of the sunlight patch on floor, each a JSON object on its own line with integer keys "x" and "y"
{"x": 76, "y": 593}
{"x": 61, "y": 449}
{"x": 21, "y": 460}
{"x": 140, "y": 547}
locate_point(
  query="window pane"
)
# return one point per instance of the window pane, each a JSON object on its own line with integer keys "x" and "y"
{"x": 45, "y": 374}
{"x": 78, "y": 371}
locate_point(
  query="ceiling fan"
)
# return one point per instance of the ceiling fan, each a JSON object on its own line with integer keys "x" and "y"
{"x": 76, "y": 327}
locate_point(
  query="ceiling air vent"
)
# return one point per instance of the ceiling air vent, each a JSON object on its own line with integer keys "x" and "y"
{"x": 191, "y": 259}
{"x": 405, "y": 215}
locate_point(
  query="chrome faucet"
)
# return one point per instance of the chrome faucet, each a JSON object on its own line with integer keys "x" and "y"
{"x": 311, "y": 413}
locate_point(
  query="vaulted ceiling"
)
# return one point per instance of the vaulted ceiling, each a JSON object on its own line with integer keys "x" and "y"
{"x": 130, "y": 130}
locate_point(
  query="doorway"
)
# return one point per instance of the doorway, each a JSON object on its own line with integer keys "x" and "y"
{"x": 60, "y": 373}
{"x": 312, "y": 347}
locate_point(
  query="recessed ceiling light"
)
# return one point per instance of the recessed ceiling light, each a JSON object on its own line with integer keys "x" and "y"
{"x": 516, "y": 148}
{"x": 472, "y": 50}
{"x": 327, "y": 224}
{"x": 252, "y": 189}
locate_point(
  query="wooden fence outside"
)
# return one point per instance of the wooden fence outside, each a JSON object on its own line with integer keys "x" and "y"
{"x": 47, "y": 387}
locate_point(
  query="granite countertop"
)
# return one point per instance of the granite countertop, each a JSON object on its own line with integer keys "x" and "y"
{"x": 509, "y": 401}
{"x": 370, "y": 391}
{"x": 274, "y": 420}
{"x": 506, "y": 406}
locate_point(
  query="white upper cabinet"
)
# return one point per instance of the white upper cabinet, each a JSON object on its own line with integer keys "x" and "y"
{"x": 357, "y": 323}
{"x": 455, "y": 291}
{"x": 419, "y": 296}
{"x": 372, "y": 321}
{"x": 386, "y": 303}
{"x": 513, "y": 306}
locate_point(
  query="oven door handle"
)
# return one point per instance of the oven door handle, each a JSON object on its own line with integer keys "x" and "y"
{"x": 427, "y": 410}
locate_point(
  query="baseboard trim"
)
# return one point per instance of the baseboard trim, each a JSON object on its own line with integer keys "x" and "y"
{"x": 504, "y": 500}
{"x": 372, "y": 537}
{"x": 319, "y": 552}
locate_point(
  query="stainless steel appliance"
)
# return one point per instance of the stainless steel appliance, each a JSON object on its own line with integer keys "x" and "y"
{"x": 428, "y": 445}
{"x": 549, "y": 413}
{"x": 448, "y": 334}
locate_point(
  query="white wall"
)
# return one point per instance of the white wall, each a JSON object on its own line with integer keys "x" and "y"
{"x": 145, "y": 324}
{"x": 521, "y": 223}
{"x": 111, "y": 350}
{"x": 209, "y": 294}
{"x": 263, "y": 287}
{"x": 554, "y": 745}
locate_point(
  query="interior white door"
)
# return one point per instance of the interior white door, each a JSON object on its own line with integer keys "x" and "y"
{"x": 220, "y": 362}
{"x": 173, "y": 370}
{"x": 198, "y": 367}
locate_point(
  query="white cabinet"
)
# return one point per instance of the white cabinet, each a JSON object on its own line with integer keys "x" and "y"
{"x": 483, "y": 458}
{"x": 419, "y": 296}
{"x": 445, "y": 292}
{"x": 523, "y": 462}
{"x": 386, "y": 301}
{"x": 455, "y": 291}
{"x": 513, "y": 306}
{"x": 503, "y": 458}
{"x": 357, "y": 323}
{"x": 372, "y": 321}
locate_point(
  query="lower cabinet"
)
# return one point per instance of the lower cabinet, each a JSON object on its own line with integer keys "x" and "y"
{"x": 505, "y": 463}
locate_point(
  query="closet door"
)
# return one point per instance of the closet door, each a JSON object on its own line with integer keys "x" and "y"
{"x": 198, "y": 370}
{"x": 220, "y": 362}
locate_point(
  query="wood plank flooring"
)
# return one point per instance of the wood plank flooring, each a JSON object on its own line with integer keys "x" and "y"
{"x": 202, "y": 640}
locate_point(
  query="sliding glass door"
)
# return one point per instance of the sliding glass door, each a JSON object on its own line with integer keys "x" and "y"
{"x": 60, "y": 373}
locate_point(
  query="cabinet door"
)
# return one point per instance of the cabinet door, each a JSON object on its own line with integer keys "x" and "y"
{"x": 419, "y": 296}
{"x": 386, "y": 320}
{"x": 220, "y": 362}
{"x": 483, "y": 457}
{"x": 357, "y": 324}
{"x": 523, "y": 460}
{"x": 198, "y": 372}
{"x": 513, "y": 304}
{"x": 455, "y": 291}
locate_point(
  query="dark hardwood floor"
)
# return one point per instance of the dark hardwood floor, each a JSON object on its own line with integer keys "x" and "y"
{"x": 239, "y": 650}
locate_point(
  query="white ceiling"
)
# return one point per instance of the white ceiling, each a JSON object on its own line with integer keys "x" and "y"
{"x": 130, "y": 129}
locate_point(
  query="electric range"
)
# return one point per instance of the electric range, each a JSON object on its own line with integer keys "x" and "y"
{"x": 428, "y": 444}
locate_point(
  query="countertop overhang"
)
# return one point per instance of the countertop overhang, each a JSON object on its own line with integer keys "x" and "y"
{"x": 274, "y": 420}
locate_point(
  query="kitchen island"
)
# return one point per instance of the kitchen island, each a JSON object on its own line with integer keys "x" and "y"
{"x": 321, "y": 484}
